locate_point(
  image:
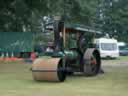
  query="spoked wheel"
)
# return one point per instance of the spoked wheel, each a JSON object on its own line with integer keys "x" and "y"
{"x": 92, "y": 62}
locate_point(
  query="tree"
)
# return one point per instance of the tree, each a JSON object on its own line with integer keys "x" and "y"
{"x": 27, "y": 15}
{"x": 119, "y": 18}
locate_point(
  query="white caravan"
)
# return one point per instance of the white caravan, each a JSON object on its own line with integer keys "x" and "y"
{"x": 108, "y": 47}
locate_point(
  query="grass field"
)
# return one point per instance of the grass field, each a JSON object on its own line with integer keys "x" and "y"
{"x": 117, "y": 60}
{"x": 16, "y": 80}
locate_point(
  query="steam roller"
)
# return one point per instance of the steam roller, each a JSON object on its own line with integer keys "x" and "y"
{"x": 69, "y": 49}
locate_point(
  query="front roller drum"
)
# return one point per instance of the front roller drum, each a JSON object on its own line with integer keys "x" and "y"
{"x": 48, "y": 69}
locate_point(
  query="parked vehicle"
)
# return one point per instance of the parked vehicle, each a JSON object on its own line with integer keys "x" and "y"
{"x": 123, "y": 48}
{"x": 123, "y": 51}
{"x": 108, "y": 47}
{"x": 18, "y": 44}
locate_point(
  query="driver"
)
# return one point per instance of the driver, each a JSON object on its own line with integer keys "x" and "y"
{"x": 50, "y": 47}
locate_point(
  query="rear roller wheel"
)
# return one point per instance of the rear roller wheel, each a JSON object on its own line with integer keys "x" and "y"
{"x": 92, "y": 62}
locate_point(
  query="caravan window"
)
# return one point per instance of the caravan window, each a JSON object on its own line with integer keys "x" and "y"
{"x": 108, "y": 46}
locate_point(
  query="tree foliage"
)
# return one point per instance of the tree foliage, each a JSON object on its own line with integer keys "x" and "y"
{"x": 119, "y": 16}
{"x": 27, "y": 15}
